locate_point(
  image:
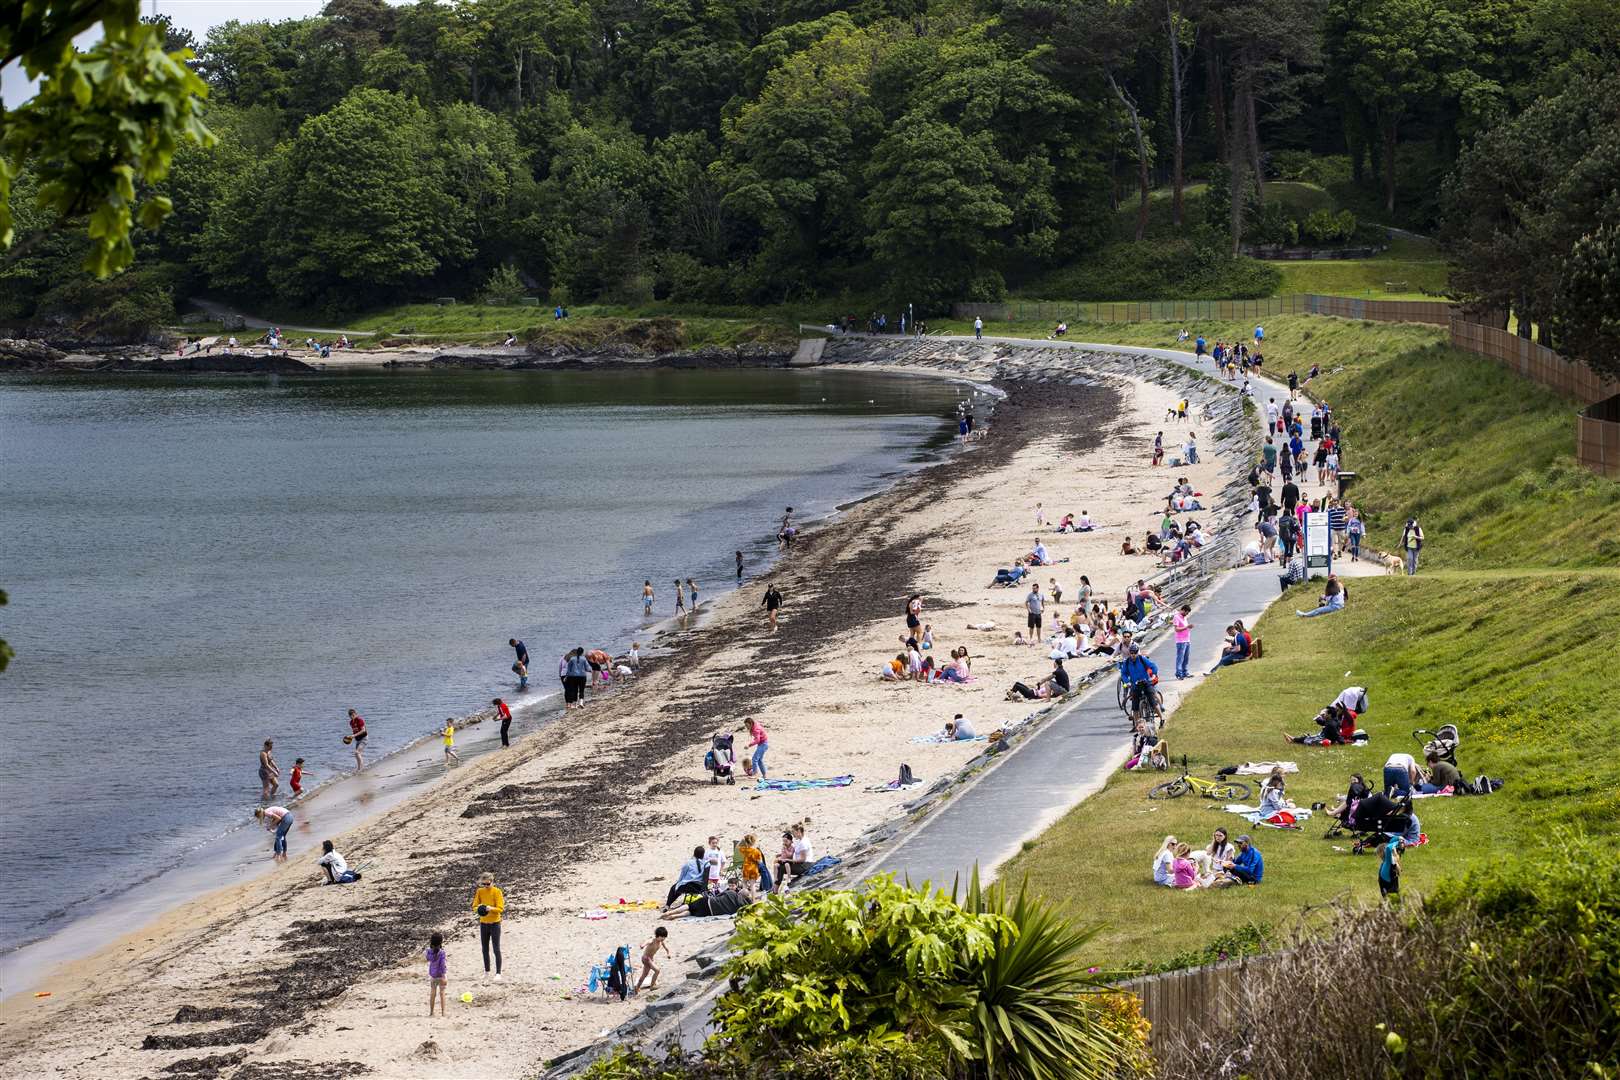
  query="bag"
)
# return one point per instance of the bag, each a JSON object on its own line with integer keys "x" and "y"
{"x": 1255, "y": 651}
{"x": 905, "y": 775}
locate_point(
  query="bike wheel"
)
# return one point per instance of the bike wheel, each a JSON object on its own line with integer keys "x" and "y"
{"x": 1123, "y": 695}
{"x": 1230, "y": 792}
{"x": 1170, "y": 789}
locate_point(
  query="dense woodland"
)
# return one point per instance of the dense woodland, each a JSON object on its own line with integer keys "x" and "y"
{"x": 754, "y": 152}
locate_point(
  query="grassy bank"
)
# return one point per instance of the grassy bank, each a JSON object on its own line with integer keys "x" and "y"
{"x": 1483, "y": 456}
{"x": 1521, "y": 663}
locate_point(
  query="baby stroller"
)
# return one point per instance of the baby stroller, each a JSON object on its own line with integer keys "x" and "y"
{"x": 1371, "y": 821}
{"x": 1443, "y": 742}
{"x": 721, "y": 759}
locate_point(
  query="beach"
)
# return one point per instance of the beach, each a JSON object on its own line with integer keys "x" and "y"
{"x": 605, "y": 803}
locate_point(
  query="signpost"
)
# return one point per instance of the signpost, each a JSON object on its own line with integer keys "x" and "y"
{"x": 1318, "y": 543}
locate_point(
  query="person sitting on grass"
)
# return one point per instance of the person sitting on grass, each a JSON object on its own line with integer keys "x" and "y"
{"x": 1442, "y": 775}
{"x": 1338, "y": 727}
{"x": 1333, "y": 597}
{"x": 1163, "y": 861}
{"x": 1183, "y": 871}
{"x": 1246, "y": 867}
{"x": 1236, "y": 649}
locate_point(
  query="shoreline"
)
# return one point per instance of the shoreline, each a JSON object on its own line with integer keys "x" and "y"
{"x": 658, "y": 768}
{"x": 349, "y": 799}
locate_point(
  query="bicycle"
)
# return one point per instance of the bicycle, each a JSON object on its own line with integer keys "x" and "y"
{"x": 1153, "y": 703}
{"x": 1224, "y": 790}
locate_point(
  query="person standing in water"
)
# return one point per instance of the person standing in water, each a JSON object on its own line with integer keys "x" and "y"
{"x": 646, "y": 598}
{"x": 680, "y": 599}
{"x": 773, "y": 601}
{"x": 739, "y": 565}
{"x": 784, "y": 532}
{"x": 269, "y": 771}
{"x": 358, "y": 733}
{"x": 503, "y": 713}
{"x": 521, "y": 649}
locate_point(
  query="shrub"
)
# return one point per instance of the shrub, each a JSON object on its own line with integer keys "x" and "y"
{"x": 1195, "y": 268}
{"x": 503, "y": 286}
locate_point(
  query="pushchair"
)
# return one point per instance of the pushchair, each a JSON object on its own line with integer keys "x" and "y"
{"x": 1371, "y": 821}
{"x": 720, "y": 759}
{"x": 1443, "y": 742}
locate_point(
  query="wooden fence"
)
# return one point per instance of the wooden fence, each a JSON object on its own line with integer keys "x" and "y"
{"x": 1535, "y": 362}
{"x": 1597, "y": 437}
{"x": 1201, "y": 998}
{"x": 1434, "y": 312}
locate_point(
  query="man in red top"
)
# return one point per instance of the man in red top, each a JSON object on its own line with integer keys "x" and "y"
{"x": 503, "y": 714}
{"x": 357, "y": 727}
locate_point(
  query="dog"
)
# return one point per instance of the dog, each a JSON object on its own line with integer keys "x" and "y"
{"x": 1392, "y": 563}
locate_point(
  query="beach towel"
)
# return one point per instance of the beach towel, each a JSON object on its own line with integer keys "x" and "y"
{"x": 941, "y": 737}
{"x": 632, "y": 905}
{"x": 895, "y": 785}
{"x": 1263, "y": 768}
{"x": 826, "y": 862}
{"x": 1251, "y": 814}
{"x": 801, "y": 785}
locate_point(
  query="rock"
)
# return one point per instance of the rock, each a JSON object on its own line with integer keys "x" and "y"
{"x": 24, "y": 354}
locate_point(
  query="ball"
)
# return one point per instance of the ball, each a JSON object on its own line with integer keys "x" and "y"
{"x": 467, "y": 997}
{"x": 347, "y": 739}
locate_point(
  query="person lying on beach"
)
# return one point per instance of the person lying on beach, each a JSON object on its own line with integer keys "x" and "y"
{"x": 722, "y": 903}
{"x": 660, "y": 940}
{"x": 1054, "y": 685}
{"x": 335, "y": 866}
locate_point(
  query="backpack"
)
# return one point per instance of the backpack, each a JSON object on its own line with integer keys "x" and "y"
{"x": 905, "y": 775}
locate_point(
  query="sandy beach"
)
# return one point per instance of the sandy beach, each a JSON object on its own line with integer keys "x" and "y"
{"x": 279, "y": 977}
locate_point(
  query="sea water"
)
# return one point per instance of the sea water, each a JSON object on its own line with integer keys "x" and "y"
{"x": 196, "y": 564}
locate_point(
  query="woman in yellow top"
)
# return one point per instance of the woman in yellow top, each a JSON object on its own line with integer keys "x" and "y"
{"x": 753, "y": 861}
{"x": 489, "y": 902}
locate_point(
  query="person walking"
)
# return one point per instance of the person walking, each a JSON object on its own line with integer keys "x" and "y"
{"x": 1412, "y": 544}
{"x": 680, "y": 600}
{"x": 449, "y": 734}
{"x": 489, "y": 903}
{"x": 575, "y": 675}
{"x": 279, "y": 820}
{"x": 357, "y": 738}
{"x": 269, "y": 772}
{"x": 1389, "y": 869}
{"x": 773, "y": 602}
{"x": 759, "y": 745}
{"x": 503, "y": 712}
{"x": 1183, "y": 640}
{"x": 978, "y": 328}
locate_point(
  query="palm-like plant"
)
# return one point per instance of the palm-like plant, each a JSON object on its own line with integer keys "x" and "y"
{"x": 1027, "y": 1017}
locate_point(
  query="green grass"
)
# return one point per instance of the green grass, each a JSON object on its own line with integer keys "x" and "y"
{"x": 1411, "y": 269}
{"x": 1483, "y": 456}
{"x": 1522, "y": 664}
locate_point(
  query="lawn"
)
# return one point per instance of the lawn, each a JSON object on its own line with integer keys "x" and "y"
{"x": 1484, "y": 457}
{"x": 587, "y": 325}
{"x": 1410, "y": 269}
{"x": 1522, "y": 664}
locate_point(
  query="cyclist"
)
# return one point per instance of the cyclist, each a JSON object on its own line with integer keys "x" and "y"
{"x": 1140, "y": 673}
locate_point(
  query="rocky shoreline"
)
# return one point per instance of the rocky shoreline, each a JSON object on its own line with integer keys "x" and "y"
{"x": 41, "y": 357}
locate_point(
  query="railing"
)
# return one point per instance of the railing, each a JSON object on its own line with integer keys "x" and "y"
{"x": 1435, "y": 312}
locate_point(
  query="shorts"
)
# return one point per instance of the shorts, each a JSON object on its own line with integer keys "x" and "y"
{"x": 1034, "y": 620}
{"x": 264, "y": 775}
{"x": 1390, "y": 887}
{"x": 360, "y": 738}
{"x": 437, "y": 981}
{"x": 911, "y": 621}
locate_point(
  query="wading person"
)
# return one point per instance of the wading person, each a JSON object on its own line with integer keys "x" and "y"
{"x": 269, "y": 772}
{"x": 739, "y": 565}
{"x": 503, "y": 713}
{"x": 357, "y": 735}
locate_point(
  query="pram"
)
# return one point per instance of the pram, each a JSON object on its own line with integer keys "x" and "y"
{"x": 1443, "y": 742}
{"x": 720, "y": 759}
{"x": 1371, "y": 821}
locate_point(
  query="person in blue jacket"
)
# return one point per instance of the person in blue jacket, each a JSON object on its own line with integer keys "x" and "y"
{"x": 1246, "y": 867}
{"x": 1138, "y": 672}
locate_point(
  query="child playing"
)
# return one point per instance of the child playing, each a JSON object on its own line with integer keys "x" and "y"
{"x": 298, "y": 778}
{"x": 449, "y": 734}
{"x": 438, "y": 967}
{"x": 753, "y": 860}
{"x": 521, "y": 670}
{"x": 927, "y": 637}
{"x": 635, "y": 656}
{"x": 660, "y": 940}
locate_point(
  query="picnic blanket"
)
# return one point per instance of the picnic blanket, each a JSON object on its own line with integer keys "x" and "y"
{"x": 1263, "y": 768}
{"x": 826, "y": 862}
{"x": 895, "y": 785}
{"x": 1251, "y": 814}
{"x": 801, "y": 785}
{"x": 631, "y": 905}
{"x": 941, "y": 737}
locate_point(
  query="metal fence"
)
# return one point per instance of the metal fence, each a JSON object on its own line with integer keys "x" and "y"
{"x": 1435, "y": 312}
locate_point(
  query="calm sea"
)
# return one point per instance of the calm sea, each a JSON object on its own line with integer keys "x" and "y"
{"x": 197, "y": 564}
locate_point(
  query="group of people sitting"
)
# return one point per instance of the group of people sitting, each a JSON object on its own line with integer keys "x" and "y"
{"x": 1337, "y": 723}
{"x": 710, "y": 884}
{"x": 1220, "y": 863}
{"x": 1082, "y": 524}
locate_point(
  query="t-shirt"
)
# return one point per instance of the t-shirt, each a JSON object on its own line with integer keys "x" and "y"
{"x": 334, "y": 862}
{"x": 1033, "y": 602}
{"x": 356, "y": 724}
{"x": 1351, "y": 697}
{"x": 1446, "y": 775}
{"x": 1186, "y": 874}
{"x": 275, "y": 813}
{"x": 964, "y": 731}
{"x": 803, "y": 851}
{"x": 713, "y": 859}
{"x": 1290, "y": 494}
{"x": 1182, "y": 633}
{"x": 1400, "y": 761}
{"x": 1060, "y": 679}
{"x": 449, "y": 735}
{"x": 503, "y": 711}
{"x": 297, "y": 776}
{"x": 1386, "y": 869}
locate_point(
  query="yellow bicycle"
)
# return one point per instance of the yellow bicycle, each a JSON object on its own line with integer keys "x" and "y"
{"x": 1224, "y": 790}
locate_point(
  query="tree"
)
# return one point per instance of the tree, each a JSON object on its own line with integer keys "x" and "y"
{"x": 1181, "y": 35}
{"x": 1586, "y": 309}
{"x": 103, "y": 121}
{"x": 1394, "y": 55}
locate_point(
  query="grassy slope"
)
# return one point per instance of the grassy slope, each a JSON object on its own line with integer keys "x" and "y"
{"x": 589, "y": 325}
{"x": 1484, "y": 457}
{"x": 1456, "y": 647}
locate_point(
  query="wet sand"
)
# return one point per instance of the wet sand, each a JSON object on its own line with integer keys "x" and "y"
{"x": 278, "y": 977}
